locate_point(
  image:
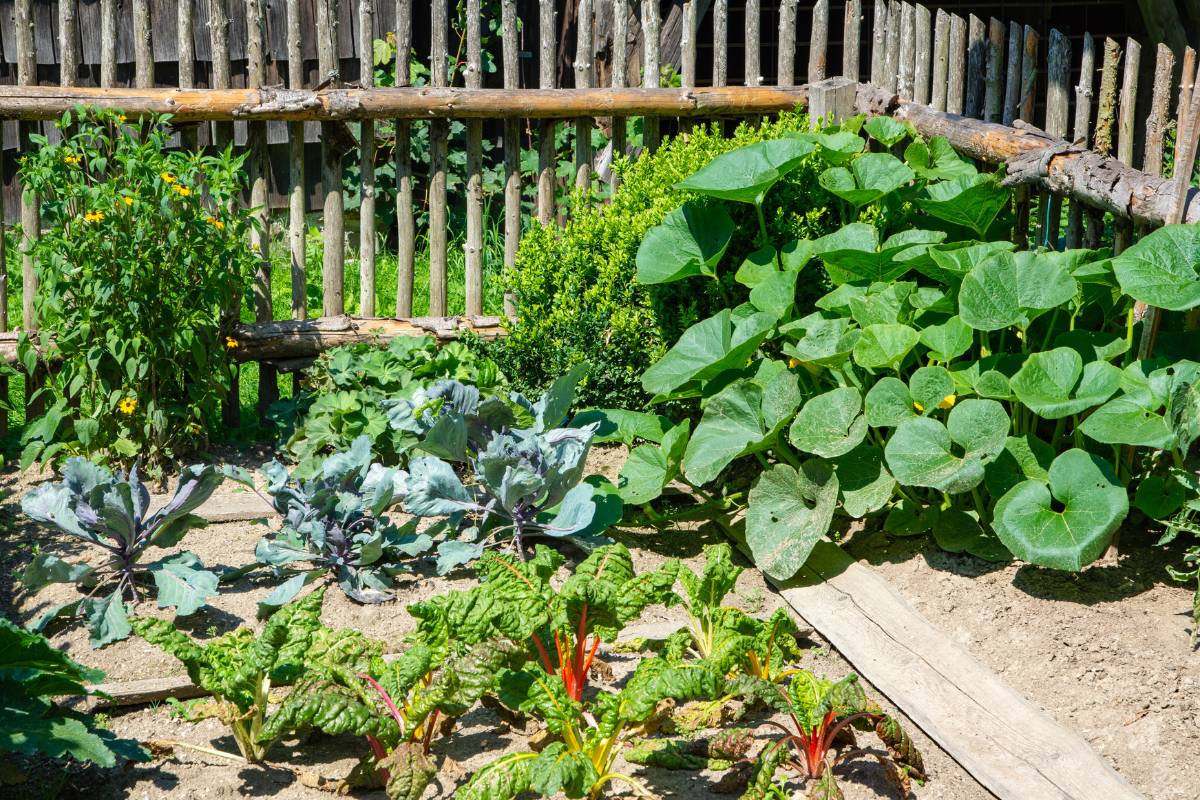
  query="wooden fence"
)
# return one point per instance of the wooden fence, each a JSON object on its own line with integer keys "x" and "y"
{"x": 950, "y": 66}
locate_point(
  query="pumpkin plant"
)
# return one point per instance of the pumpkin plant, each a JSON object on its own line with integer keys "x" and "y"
{"x": 823, "y": 714}
{"x": 945, "y": 384}
{"x": 111, "y": 513}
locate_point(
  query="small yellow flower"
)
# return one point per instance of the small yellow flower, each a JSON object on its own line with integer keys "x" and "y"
{"x": 128, "y": 200}
{"x": 128, "y": 405}
{"x": 947, "y": 401}
{"x": 182, "y": 190}
{"x": 93, "y": 216}
{"x": 216, "y": 223}
{"x": 918, "y": 406}
{"x": 72, "y": 159}
{"x": 121, "y": 118}
{"x": 231, "y": 343}
{"x": 793, "y": 363}
{"x": 167, "y": 177}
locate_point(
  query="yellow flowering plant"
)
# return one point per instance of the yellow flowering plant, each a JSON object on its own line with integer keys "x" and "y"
{"x": 143, "y": 250}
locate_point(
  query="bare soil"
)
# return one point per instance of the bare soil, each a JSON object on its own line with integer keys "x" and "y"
{"x": 1107, "y": 653}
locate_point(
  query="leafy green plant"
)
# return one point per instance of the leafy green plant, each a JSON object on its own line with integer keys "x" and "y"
{"x": 346, "y": 388}
{"x": 32, "y": 675}
{"x": 946, "y": 384}
{"x": 820, "y": 713}
{"x": 111, "y": 512}
{"x": 526, "y": 471}
{"x": 577, "y": 300}
{"x": 142, "y": 252}
{"x": 238, "y": 668}
{"x": 334, "y": 523}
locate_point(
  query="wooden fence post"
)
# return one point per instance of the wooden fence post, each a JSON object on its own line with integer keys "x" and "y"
{"x": 512, "y": 149}
{"x": 546, "y": 80}
{"x": 259, "y": 167}
{"x": 473, "y": 278}
{"x": 366, "y": 163}
{"x": 818, "y": 44}
{"x": 941, "y": 60}
{"x": 976, "y": 60}
{"x": 583, "y": 80}
{"x": 720, "y": 42}
{"x": 651, "y": 29}
{"x": 923, "y": 53}
{"x": 1058, "y": 75}
{"x": 994, "y": 72}
{"x": 851, "y": 31}
{"x": 1123, "y": 228}
{"x": 296, "y": 189}
{"x": 831, "y": 100}
{"x": 1080, "y": 130}
{"x": 620, "y": 65}
{"x": 439, "y": 134}
{"x": 406, "y": 226}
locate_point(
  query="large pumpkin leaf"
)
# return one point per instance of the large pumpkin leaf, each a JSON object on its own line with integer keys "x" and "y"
{"x": 650, "y": 467}
{"x": 949, "y": 262}
{"x": 854, "y": 252}
{"x": 707, "y": 349}
{"x": 886, "y": 130}
{"x": 864, "y": 481}
{"x": 689, "y": 241}
{"x": 922, "y": 451}
{"x": 948, "y": 340}
{"x": 1024, "y": 458}
{"x": 1056, "y": 383}
{"x": 826, "y": 342}
{"x": 937, "y": 160}
{"x": 746, "y": 174}
{"x": 957, "y": 531}
{"x": 868, "y": 178}
{"x": 789, "y": 512}
{"x": 830, "y": 424}
{"x": 888, "y": 403}
{"x": 1126, "y": 420}
{"x": 1008, "y": 289}
{"x": 931, "y": 387}
{"x": 1163, "y": 268}
{"x": 1066, "y": 523}
{"x": 972, "y": 201}
{"x": 884, "y": 346}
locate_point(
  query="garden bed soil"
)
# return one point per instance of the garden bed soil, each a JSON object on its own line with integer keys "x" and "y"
{"x": 1107, "y": 653}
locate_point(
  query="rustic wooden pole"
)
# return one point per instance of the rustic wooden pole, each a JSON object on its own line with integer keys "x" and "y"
{"x": 753, "y": 61}
{"x": 333, "y": 234}
{"x": 108, "y": 42}
{"x": 546, "y": 79}
{"x": 1080, "y": 130}
{"x": 832, "y": 100}
{"x": 818, "y": 43}
{"x": 721, "y": 43}
{"x": 993, "y": 78}
{"x": 30, "y": 216}
{"x": 1012, "y": 82}
{"x": 259, "y": 166}
{"x": 620, "y": 67}
{"x": 1102, "y": 141}
{"x": 1185, "y": 94}
{"x": 976, "y": 59}
{"x": 185, "y": 53}
{"x": 68, "y": 43}
{"x": 406, "y": 224}
{"x": 1058, "y": 106}
{"x": 891, "y": 68}
{"x": 143, "y": 52}
{"x": 218, "y": 29}
{"x": 650, "y": 63}
{"x": 905, "y": 77}
{"x": 473, "y": 278}
{"x": 941, "y": 60}
{"x": 1160, "y": 109}
{"x": 512, "y": 148}
{"x": 3, "y": 301}
{"x": 923, "y": 53}
{"x": 1029, "y": 60}
{"x": 296, "y": 193}
{"x": 785, "y": 69}
{"x": 1123, "y": 228}
{"x": 366, "y": 161}
{"x": 956, "y": 77}
{"x": 879, "y": 28}
{"x": 439, "y": 134}
{"x": 583, "y": 80}
{"x": 851, "y": 31}
{"x": 687, "y": 37}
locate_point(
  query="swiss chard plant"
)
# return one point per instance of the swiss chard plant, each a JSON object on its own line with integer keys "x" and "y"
{"x": 525, "y": 471}
{"x": 946, "y": 383}
{"x": 239, "y": 668}
{"x": 824, "y": 715}
{"x": 33, "y": 676}
{"x": 335, "y": 527}
{"x": 110, "y": 512}
{"x": 346, "y": 390}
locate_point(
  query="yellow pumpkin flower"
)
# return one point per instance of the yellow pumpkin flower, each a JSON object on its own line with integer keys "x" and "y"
{"x": 93, "y": 216}
{"x": 167, "y": 177}
{"x": 947, "y": 401}
{"x": 128, "y": 200}
{"x": 182, "y": 190}
{"x": 918, "y": 406}
{"x": 216, "y": 223}
{"x": 793, "y": 363}
{"x": 231, "y": 343}
{"x": 72, "y": 159}
{"x": 121, "y": 118}
{"x": 128, "y": 405}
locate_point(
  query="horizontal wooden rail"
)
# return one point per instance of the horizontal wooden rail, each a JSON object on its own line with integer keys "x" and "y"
{"x": 299, "y": 339}
{"x": 190, "y": 105}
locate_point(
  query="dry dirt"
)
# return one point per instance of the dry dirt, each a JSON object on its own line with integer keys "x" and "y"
{"x": 1107, "y": 653}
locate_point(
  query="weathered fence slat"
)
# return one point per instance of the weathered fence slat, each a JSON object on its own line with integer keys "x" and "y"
{"x": 218, "y": 31}
{"x": 583, "y": 80}
{"x": 1156, "y": 120}
{"x": 406, "y": 224}
{"x": 687, "y": 38}
{"x": 1012, "y": 80}
{"x": 651, "y": 30}
{"x": 439, "y": 135}
{"x": 620, "y": 65}
{"x": 473, "y": 277}
{"x": 891, "y": 67}
{"x": 259, "y": 169}
{"x": 1123, "y": 228}
{"x": 908, "y": 56}
{"x": 818, "y": 43}
{"x": 941, "y": 56}
{"x": 1058, "y": 104}
{"x": 1103, "y": 131}
{"x": 108, "y": 42}
{"x": 512, "y": 146}
{"x": 956, "y": 77}
{"x": 366, "y": 163}
{"x": 993, "y": 77}
{"x": 68, "y": 43}
{"x": 851, "y": 31}
{"x": 976, "y": 58}
{"x": 785, "y": 69}
{"x": 546, "y": 80}
{"x": 879, "y": 42}
{"x": 296, "y": 194}
{"x": 721, "y": 43}
{"x": 143, "y": 52}
{"x": 30, "y": 216}
{"x": 1081, "y": 130}
{"x": 1029, "y": 50}
{"x": 753, "y": 41}
{"x": 923, "y": 54}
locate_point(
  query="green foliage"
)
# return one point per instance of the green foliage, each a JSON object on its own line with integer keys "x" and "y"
{"x": 32, "y": 675}
{"x": 345, "y": 392}
{"x": 238, "y": 669}
{"x": 575, "y": 289}
{"x": 335, "y": 524}
{"x": 140, "y": 255}
{"x": 111, "y": 513}
{"x": 957, "y": 387}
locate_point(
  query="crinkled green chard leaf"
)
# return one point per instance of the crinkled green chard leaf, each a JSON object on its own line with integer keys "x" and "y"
{"x": 1161, "y": 269}
{"x": 923, "y": 452}
{"x": 789, "y": 513}
{"x": 830, "y": 424}
{"x": 746, "y": 174}
{"x": 707, "y": 349}
{"x": 1056, "y": 383}
{"x": 689, "y": 241}
{"x": 972, "y": 201}
{"x": 606, "y": 588}
{"x": 650, "y": 467}
{"x": 744, "y": 417}
{"x": 854, "y": 252}
{"x": 506, "y": 778}
{"x": 869, "y": 177}
{"x": 1066, "y": 523}
{"x": 1009, "y": 289}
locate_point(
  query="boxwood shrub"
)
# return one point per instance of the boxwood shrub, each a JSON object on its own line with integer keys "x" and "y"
{"x": 576, "y": 295}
